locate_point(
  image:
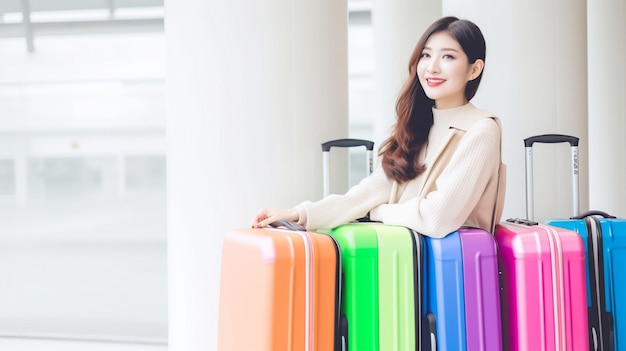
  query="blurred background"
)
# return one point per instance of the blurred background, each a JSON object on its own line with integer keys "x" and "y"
{"x": 82, "y": 170}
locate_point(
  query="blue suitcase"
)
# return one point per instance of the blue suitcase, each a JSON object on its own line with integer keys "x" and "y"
{"x": 444, "y": 298}
{"x": 605, "y": 254}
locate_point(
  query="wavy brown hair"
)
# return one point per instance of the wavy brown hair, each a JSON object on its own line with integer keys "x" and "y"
{"x": 400, "y": 152}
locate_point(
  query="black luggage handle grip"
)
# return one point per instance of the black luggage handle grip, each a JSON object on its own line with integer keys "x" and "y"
{"x": 288, "y": 224}
{"x": 593, "y": 213}
{"x": 369, "y": 145}
{"x": 522, "y": 221}
{"x": 551, "y": 139}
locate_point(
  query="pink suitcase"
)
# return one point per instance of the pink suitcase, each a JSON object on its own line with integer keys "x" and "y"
{"x": 543, "y": 283}
{"x": 543, "y": 287}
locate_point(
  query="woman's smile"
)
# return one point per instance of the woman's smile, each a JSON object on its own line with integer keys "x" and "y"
{"x": 435, "y": 82}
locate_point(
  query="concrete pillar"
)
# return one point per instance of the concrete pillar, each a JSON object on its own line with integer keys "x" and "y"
{"x": 253, "y": 88}
{"x": 398, "y": 25}
{"x": 535, "y": 80}
{"x": 607, "y": 105}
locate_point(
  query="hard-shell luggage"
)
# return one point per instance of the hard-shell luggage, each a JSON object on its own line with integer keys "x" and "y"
{"x": 279, "y": 290}
{"x": 605, "y": 251}
{"x": 381, "y": 304}
{"x": 482, "y": 290}
{"x": 382, "y": 286}
{"x": 462, "y": 301}
{"x": 604, "y": 238}
{"x": 543, "y": 290}
{"x": 543, "y": 287}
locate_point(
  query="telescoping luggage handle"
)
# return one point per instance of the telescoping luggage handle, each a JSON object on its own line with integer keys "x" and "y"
{"x": 550, "y": 139}
{"x": 369, "y": 145}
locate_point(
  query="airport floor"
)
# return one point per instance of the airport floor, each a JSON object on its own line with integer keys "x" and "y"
{"x": 88, "y": 275}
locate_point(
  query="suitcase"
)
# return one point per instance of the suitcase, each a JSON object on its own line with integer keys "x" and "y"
{"x": 482, "y": 290}
{"x": 604, "y": 238}
{"x": 605, "y": 251}
{"x": 381, "y": 303}
{"x": 381, "y": 306}
{"x": 462, "y": 301}
{"x": 543, "y": 293}
{"x": 279, "y": 290}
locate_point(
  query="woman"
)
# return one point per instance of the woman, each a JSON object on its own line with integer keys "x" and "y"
{"x": 441, "y": 167}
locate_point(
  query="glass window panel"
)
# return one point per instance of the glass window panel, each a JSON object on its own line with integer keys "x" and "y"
{"x": 82, "y": 188}
{"x": 7, "y": 178}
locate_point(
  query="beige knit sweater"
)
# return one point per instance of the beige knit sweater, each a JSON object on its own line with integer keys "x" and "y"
{"x": 460, "y": 186}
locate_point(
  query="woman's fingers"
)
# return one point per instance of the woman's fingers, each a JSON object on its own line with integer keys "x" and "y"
{"x": 265, "y": 217}
{"x": 259, "y": 218}
{"x": 267, "y": 221}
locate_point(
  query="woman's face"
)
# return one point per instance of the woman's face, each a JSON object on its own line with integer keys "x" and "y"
{"x": 443, "y": 71}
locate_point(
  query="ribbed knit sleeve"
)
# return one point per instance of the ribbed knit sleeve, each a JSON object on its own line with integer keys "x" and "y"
{"x": 334, "y": 209}
{"x": 459, "y": 187}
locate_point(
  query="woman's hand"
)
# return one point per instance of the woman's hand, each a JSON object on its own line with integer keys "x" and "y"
{"x": 265, "y": 216}
{"x": 376, "y": 213}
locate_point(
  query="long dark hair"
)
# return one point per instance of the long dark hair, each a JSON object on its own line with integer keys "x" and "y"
{"x": 400, "y": 152}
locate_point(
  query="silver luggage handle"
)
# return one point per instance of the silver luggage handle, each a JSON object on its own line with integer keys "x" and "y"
{"x": 347, "y": 142}
{"x": 551, "y": 139}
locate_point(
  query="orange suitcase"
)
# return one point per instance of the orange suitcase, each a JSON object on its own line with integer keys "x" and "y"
{"x": 279, "y": 290}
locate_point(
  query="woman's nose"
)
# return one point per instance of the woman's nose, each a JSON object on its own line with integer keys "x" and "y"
{"x": 433, "y": 66}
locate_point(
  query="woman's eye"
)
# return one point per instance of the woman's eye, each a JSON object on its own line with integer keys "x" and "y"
{"x": 448, "y": 57}
{"x": 425, "y": 55}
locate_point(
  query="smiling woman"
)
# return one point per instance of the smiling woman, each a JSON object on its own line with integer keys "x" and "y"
{"x": 441, "y": 167}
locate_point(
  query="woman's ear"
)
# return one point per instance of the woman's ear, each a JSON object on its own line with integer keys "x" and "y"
{"x": 476, "y": 69}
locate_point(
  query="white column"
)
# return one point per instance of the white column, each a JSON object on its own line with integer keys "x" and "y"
{"x": 398, "y": 25}
{"x": 535, "y": 80}
{"x": 253, "y": 88}
{"x": 607, "y": 105}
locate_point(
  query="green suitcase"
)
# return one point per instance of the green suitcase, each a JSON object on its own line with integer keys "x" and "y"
{"x": 381, "y": 306}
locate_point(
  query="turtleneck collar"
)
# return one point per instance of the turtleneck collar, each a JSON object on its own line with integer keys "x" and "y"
{"x": 462, "y": 117}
